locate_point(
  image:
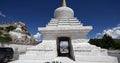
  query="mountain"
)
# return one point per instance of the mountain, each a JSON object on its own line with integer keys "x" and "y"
{"x": 18, "y": 33}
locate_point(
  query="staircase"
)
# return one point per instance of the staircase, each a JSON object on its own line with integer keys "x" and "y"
{"x": 63, "y": 60}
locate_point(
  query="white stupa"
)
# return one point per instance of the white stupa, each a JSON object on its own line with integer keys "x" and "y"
{"x": 64, "y": 27}
{"x": 20, "y": 36}
{"x": 19, "y": 28}
{"x": 17, "y": 32}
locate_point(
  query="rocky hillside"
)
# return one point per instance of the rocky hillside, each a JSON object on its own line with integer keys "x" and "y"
{"x": 18, "y": 33}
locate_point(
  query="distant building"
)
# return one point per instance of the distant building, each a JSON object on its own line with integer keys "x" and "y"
{"x": 20, "y": 35}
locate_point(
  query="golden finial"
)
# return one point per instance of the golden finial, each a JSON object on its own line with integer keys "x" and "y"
{"x": 64, "y": 3}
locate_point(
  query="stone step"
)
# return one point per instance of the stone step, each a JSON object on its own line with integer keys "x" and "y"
{"x": 60, "y": 60}
{"x": 63, "y": 60}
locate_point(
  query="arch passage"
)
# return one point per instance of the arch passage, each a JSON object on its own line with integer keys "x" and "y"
{"x": 64, "y": 47}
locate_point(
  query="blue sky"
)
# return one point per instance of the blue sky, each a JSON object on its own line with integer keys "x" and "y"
{"x": 101, "y": 14}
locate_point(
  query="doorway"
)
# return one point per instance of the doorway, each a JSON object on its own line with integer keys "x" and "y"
{"x": 64, "y": 47}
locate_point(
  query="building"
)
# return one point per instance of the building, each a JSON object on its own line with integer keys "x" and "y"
{"x": 64, "y": 27}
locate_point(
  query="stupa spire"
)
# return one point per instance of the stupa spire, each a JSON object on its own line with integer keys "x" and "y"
{"x": 64, "y": 3}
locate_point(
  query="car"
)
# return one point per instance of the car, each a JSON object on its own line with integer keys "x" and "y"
{"x": 6, "y": 54}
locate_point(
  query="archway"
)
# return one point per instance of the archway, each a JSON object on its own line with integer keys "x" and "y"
{"x": 64, "y": 47}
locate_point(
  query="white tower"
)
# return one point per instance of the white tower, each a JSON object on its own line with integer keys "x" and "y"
{"x": 64, "y": 27}
{"x": 19, "y": 28}
{"x": 64, "y": 24}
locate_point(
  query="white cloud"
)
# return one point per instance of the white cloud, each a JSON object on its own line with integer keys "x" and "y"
{"x": 118, "y": 25}
{"x": 2, "y": 15}
{"x": 113, "y": 32}
{"x": 98, "y": 35}
{"x": 38, "y": 37}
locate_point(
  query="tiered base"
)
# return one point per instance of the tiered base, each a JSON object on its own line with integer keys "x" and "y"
{"x": 83, "y": 52}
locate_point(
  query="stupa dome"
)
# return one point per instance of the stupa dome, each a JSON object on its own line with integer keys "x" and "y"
{"x": 64, "y": 11}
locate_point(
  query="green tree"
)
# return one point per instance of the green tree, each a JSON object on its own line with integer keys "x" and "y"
{"x": 1, "y": 33}
{"x": 96, "y": 42}
{"x": 107, "y": 42}
{"x": 117, "y": 44}
{"x": 10, "y": 28}
{"x": 5, "y": 39}
{"x": 1, "y": 28}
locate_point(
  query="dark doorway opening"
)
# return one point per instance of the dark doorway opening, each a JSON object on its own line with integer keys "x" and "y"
{"x": 64, "y": 47}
